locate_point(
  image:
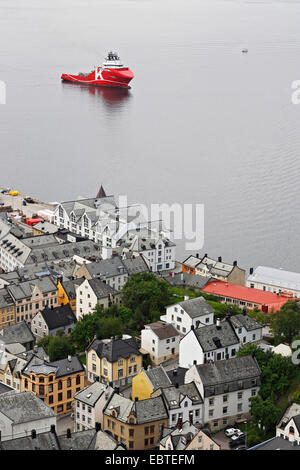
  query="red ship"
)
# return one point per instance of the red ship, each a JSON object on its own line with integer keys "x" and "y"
{"x": 112, "y": 73}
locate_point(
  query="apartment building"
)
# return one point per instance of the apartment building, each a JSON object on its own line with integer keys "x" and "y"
{"x": 216, "y": 269}
{"x": 160, "y": 340}
{"x": 94, "y": 292}
{"x": 89, "y": 404}
{"x": 274, "y": 280}
{"x": 54, "y": 382}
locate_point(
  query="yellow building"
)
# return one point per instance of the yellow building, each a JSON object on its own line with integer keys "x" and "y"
{"x": 7, "y": 309}
{"x": 54, "y": 382}
{"x": 67, "y": 292}
{"x": 115, "y": 360}
{"x": 147, "y": 381}
{"x": 137, "y": 424}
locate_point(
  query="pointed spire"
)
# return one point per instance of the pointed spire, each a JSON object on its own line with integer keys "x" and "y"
{"x": 101, "y": 193}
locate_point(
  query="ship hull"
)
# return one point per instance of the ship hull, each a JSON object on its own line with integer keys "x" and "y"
{"x": 117, "y": 78}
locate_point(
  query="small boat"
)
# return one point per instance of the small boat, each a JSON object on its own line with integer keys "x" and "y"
{"x": 112, "y": 73}
{"x": 244, "y": 51}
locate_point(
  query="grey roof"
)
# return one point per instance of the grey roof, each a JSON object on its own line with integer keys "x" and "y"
{"x": 60, "y": 368}
{"x": 187, "y": 279}
{"x": 25, "y": 289}
{"x": 151, "y": 409}
{"x": 101, "y": 289}
{"x": 236, "y": 373}
{"x": 5, "y": 298}
{"x": 91, "y": 394}
{"x": 46, "y": 227}
{"x": 82, "y": 440}
{"x": 177, "y": 375}
{"x": 18, "y": 333}
{"x": 71, "y": 285}
{"x": 174, "y": 395}
{"x": 85, "y": 249}
{"x": 115, "y": 348}
{"x": 276, "y": 277}
{"x": 135, "y": 265}
{"x": 106, "y": 268}
{"x": 276, "y": 443}
{"x": 5, "y": 389}
{"x": 212, "y": 337}
{"x": 24, "y": 407}
{"x": 240, "y": 320}
{"x": 158, "y": 377}
{"x": 162, "y": 330}
{"x": 58, "y": 317}
{"x": 179, "y": 437}
{"x": 40, "y": 241}
{"x": 196, "y": 307}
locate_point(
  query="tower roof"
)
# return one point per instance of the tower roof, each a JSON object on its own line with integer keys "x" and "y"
{"x": 101, "y": 193}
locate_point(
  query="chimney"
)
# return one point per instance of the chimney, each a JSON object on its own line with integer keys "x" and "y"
{"x": 33, "y": 434}
{"x": 136, "y": 398}
{"x": 52, "y": 428}
{"x": 220, "y": 259}
{"x": 175, "y": 372}
{"x": 186, "y": 297}
{"x": 191, "y": 417}
{"x": 98, "y": 426}
{"x": 218, "y": 324}
{"x": 192, "y": 327}
{"x": 176, "y": 385}
{"x": 194, "y": 362}
{"x": 179, "y": 424}
{"x": 251, "y": 270}
{"x": 205, "y": 256}
{"x": 68, "y": 433}
{"x": 234, "y": 263}
{"x": 197, "y": 255}
{"x": 117, "y": 390}
{"x": 70, "y": 358}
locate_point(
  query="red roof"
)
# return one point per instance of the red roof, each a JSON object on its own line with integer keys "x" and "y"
{"x": 246, "y": 294}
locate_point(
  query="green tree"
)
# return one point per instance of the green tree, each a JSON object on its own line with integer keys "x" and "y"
{"x": 60, "y": 347}
{"x": 146, "y": 296}
{"x": 85, "y": 330}
{"x": 108, "y": 327}
{"x": 264, "y": 413}
{"x": 285, "y": 324}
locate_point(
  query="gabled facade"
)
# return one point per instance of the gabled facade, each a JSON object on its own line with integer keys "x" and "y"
{"x": 190, "y": 312}
{"x": 160, "y": 340}
{"x": 216, "y": 269}
{"x": 89, "y": 404}
{"x": 94, "y": 292}
{"x": 115, "y": 360}
{"x": 226, "y": 387}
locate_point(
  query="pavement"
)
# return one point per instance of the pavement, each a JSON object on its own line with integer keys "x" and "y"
{"x": 222, "y": 440}
{"x": 16, "y": 202}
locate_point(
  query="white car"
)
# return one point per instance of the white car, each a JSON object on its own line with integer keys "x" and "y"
{"x": 237, "y": 436}
{"x": 231, "y": 432}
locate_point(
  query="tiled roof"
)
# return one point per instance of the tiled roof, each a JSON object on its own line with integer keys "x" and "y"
{"x": 113, "y": 349}
{"x": 23, "y": 407}
{"x": 212, "y": 337}
{"x": 196, "y": 307}
{"x": 162, "y": 330}
{"x": 57, "y": 317}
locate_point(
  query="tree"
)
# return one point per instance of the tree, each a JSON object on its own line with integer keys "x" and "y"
{"x": 265, "y": 413}
{"x": 108, "y": 327}
{"x": 60, "y": 347}
{"x": 146, "y": 296}
{"x": 285, "y": 324}
{"x": 85, "y": 330}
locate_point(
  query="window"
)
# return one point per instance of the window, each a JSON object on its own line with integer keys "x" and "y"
{"x": 77, "y": 379}
{"x": 59, "y": 385}
{"x": 131, "y": 432}
{"x": 59, "y": 397}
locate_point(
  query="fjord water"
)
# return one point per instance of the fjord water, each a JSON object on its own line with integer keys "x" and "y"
{"x": 202, "y": 123}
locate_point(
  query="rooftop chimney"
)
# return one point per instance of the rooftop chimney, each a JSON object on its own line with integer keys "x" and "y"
{"x": 136, "y": 398}
{"x": 218, "y": 324}
{"x": 176, "y": 385}
{"x": 68, "y": 433}
{"x": 220, "y": 259}
{"x": 117, "y": 390}
{"x": 52, "y": 428}
{"x": 175, "y": 372}
{"x": 70, "y": 358}
{"x": 192, "y": 327}
{"x": 251, "y": 270}
{"x": 191, "y": 417}
{"x": 186, "y": 297}
{"x": 234, "y": 263}
{"x": 197, "y": 255}
{"x": 33, "y": 434}
{"x": 194, "y": 362}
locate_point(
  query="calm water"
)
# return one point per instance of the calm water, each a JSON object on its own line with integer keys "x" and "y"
{"x": 202, "y": 123}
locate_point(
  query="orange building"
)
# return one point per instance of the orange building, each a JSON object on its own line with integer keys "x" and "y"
{"x": 54, "y": 382}
{"x": 67, "y": 292}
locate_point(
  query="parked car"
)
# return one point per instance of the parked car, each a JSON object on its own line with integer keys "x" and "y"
{"x": 231, "y": 432}
{"x": 241, "y": 448}
{"x": 237, "y": 436}
{"x": 239, "y": 441}
{"x": 29, "y": 200}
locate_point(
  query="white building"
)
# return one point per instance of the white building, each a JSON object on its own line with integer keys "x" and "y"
{"x": 209, "y": 343}
{"x": 190, "y": 312}
{"x": 21, "y": 413}
{"x": 289, "y": 424}
{"x": 226, "y": 387}
{"x": 89, "y": 404}
{"x": 183, "y": 402}
{"x": 160, "y": 340}
{"x": 92, "y": 292}
{"x": 274, "y": 280}
{"x": 246, "y": 328}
